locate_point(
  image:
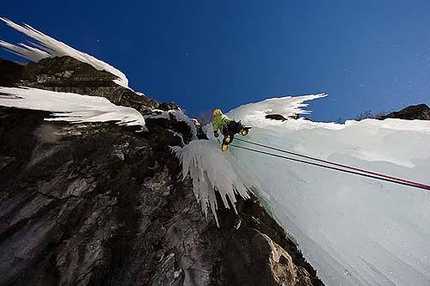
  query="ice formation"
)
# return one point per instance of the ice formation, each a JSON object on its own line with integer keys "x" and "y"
{"x": 213, "y": 171}
{"x": 49, "y": 47}
{"x": 285, "y": 106}
{"x": 353, "y": 230}
{"x": 71, "y": 107}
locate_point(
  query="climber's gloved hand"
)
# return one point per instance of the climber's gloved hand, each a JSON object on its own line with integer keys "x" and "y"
{"x": 216, "y": 133}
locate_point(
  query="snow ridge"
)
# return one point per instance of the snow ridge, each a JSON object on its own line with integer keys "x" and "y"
{"x": 285, "y": 106}
{"x": 47, "y": 46}
{"x": 71, "y": 107}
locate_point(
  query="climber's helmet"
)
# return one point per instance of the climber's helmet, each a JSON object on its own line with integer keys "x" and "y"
{"x": 217, "y": 112}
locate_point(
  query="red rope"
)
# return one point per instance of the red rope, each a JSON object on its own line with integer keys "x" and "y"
{"x": 391, "y": 178}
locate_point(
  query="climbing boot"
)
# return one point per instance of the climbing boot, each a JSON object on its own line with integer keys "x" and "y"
{"x": 243, "y": 132}
{"x": 224, "y": 147}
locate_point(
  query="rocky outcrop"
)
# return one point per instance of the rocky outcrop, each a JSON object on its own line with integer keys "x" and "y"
{"x": 10, "y": 72}
{"x": 99, "y": 204}
{"x": 259, "y": 254}
{"x": 166, "y": 106}
{"x": 66, "y": 74}
{"x": 280, "y": 117}
{"x": 420, "y": 111}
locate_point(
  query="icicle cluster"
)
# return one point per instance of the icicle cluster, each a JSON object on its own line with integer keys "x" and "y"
{"x": 71, "y": 107}
{"x": 211, "y": 171}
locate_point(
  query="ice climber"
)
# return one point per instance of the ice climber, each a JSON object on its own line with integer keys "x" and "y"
{"x": 228, "y": 127}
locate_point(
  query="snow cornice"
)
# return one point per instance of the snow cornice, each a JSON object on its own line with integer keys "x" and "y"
{"x": 47, "y": 46}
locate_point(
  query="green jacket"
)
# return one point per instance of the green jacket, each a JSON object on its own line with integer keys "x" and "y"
{"x": 219, "y": 121}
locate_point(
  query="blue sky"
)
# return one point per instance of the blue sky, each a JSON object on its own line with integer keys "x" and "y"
{"x": 367, "y": 55}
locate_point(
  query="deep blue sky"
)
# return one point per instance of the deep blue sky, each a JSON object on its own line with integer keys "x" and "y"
{"x": 367, "y": 55}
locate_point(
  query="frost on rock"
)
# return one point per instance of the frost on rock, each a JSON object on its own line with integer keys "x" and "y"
{"x": 211, "y": 170}
{"x": 178, "y": 115}
{"x": 71, "y": 107}
{"x": 50, "y": 47}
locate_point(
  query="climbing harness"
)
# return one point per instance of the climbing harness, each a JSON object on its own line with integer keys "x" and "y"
{"x": 334, "y": 166}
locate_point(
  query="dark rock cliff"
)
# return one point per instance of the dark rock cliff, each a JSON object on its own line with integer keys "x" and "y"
{"x": 66, "y": 74}
{"x": 420, "y": 111}
{"x": 99, "y": 204}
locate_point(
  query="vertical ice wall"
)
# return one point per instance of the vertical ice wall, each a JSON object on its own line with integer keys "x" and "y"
{"x": 353, "y": 230}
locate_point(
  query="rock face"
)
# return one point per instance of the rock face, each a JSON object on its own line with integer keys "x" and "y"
{"x": 66, "y": 74}
{"x": 252, "y": 247}
{"x": 99, "y": 204}
{"x": 420, "y": 111}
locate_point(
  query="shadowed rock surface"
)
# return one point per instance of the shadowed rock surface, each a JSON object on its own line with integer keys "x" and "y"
{"x": 99, "y": 204}
{"x": 253, "y": 248}
{"x": 10, "y": 72}
{"x": 279, "y": 117}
